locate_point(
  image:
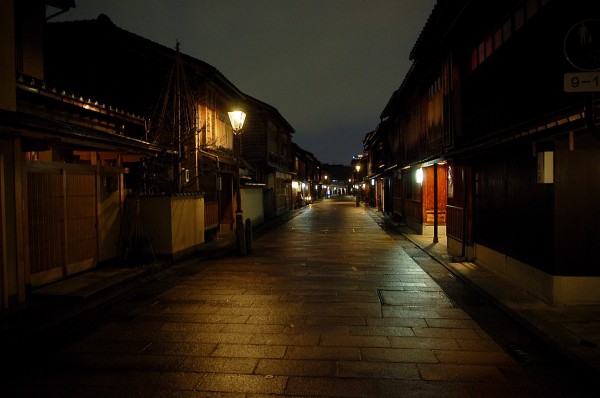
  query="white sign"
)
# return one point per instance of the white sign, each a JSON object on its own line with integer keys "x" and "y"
{"x": 582, "y": 82}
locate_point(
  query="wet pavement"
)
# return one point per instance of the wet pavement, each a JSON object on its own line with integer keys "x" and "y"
{"x": 326, "y": 304}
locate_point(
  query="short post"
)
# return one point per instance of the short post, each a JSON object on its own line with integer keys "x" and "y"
{"x": 239, "y": 232}
{"x": 248, "y": 235}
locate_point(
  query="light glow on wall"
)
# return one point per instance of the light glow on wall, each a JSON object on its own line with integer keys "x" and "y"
{"x": 419, "y": 176}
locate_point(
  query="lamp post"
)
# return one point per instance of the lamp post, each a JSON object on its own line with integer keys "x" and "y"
{"x": 237, "y": 123}
{"x": 358, "y": 186}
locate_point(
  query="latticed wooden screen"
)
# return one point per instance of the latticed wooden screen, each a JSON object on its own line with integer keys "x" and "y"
{"x": 211, "y": 215}
{"x": 81, "y": 218}
{"x": 46, "y": 210}
{"x": 61, "y": 222}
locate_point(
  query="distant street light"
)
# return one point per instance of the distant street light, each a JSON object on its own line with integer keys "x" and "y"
{"x": 357, "y": 186}
{"x": 237, "y": 119}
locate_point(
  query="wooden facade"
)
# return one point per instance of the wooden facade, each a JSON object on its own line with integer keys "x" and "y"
{"x": 62, "y": 165}
{"x": 267, "y": 147}
{"x": 486, "y": 98}
{"x": 145, "y": 80}
{"x": 307, "y": 182}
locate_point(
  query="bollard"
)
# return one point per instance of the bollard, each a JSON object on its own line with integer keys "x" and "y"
{"x": 248, "y": 235}
{"x": 239, "y": 233}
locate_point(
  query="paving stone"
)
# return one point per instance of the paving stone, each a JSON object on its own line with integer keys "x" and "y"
{"x": 410, "y": 312}
{"x": 288, "y": 367}
{"x": 424, "y": 342}
{"x": 448, "y": 333}
{"x": 323, "y": 353}
{"x": 169, "y": 348}
{"x": 336, "y": 320}
{"x": 248, "y": 351}
{"x": 305, "y": 339}
{"x": 241, "y": 329}
{"x": 381, "y": 330}
{"x": 236, "y": 383}
{"x": 478, "y": 373}
{"x": 220, "y": 337}
{"x": 326, "y": 330}
{"x": 275, "y": 320}
{"x": 452, "y": 323}
{"x": 355, "y": 341}
{"x": 414, "y": 355}
{"x": 498, "y": 357}
{"x": 218, "y": 365}
{"x": 420, "y": 388}
{"x": 331, "y": 387}
{"x": 378, "y": 370}
{"x": 408, "y": 322}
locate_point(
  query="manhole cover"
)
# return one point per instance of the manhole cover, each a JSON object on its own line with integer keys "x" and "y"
{"x": 414, "y": 298}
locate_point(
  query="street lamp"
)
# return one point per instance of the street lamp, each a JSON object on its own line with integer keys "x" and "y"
{"x": 237, "y": 123}
{"x": 357, "y": 189}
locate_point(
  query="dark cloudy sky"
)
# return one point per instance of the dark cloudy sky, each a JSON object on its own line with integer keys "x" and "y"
{"x": 328, "y": 66}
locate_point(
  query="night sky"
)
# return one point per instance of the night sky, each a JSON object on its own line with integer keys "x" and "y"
{"x": 328, "y": 66}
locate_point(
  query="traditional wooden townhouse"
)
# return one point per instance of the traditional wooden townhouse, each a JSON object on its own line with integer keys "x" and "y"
{"x": 312, "y": 167}
{"x": 185, "y": 101}
{"x": 509, "y": 91}
{"x": 306, "y": 183}
{"x": 380, "y": 157}
{"x": 63, "y": 157}
{"x": 414, "y": 131}
{"x": 299, "y": 179}
{"x": 267, "y": 147}
{"x": 380, "y": 164}
{"x": 365, "y": 178}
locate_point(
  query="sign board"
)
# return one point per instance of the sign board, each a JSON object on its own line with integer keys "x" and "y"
{"x": 582, "y": 45}
{"x": 582, "y": 82}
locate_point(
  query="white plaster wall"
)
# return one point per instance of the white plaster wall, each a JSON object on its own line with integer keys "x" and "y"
{"x": 557, "y": 290}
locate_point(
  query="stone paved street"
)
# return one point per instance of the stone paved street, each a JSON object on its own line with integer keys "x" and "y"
{"x": 327, "y": 304}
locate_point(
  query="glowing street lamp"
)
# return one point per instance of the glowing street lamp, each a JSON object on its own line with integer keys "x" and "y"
{"x": 237, "y": 119}
{"x": 356, "y": 186}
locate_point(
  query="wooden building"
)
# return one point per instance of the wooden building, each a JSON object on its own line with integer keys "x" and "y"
{"x": 306, "y": 180}
{"x": 414, "y": 134}
{"x": 146, "y": 78}
{"x": 267, "y": 147}
{"x": 497, "y": 99}
{"x": 63, "y": 157}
